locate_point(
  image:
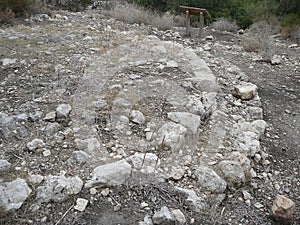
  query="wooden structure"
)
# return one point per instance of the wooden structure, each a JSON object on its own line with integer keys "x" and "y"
{"x": 202, "y": 13}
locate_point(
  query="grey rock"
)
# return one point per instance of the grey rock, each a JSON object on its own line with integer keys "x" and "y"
{"x": 35, "y": 144}
{"x": 7, "y": 125}
{"x": 179, "y": 216}
{"x": 195, "y": 202}
{"x": 52, "y": 128}
{"x": 79, "y": 157}
{"x": 245, "y": 91}
{"x": 172, "y": 135}
{"x": 163, "y": 217}
{"x": 90, "y": 145}
{"x": 50, "y": 117}
{"x": 210, "y": 180}
{"x": 13, "y": 194}
{"x": 81, "y": 204}
{"x": 188, "y": 120}
{"x": 254, "y": 113}
{"x": 112, "y": 174}
{"x": 4, "y": 165}
{"x": 58, "y": 188}
{"x": 137, "y": 116}
{"x": 35, "y": 178}
{"x": 63, "y": 111}
{"x": 233, "y": 173}
{"x": 283, "y": 209}
{"x": 22, "y": 117}
{"x": 35, "y": 116}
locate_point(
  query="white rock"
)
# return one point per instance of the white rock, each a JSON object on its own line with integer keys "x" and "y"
{"x": 35, "y": 144}
{"x": 245, "y": 91}
{"x": 186, "y": 119}
{"x": 6, "y": 62}
{"x": 81, "y": 204}
{"x": 179, "y": 216}
{"x": 258, "y": 205}
{"x": 246, "y": 195}
{"x": 35, "y": 178}
{"x": 50, "y": 116}
{"x": 13, "y": 194}
{"x": 276, "y": 60}
{"x": 195, "y": 202}
{"x": 58, "y": 188}
{"x": 163, "y": 216}
{"x": 260, "y": 126}
{"x": 137, "y": 116}
{"x": 46, "y": 153}
{"x": 112, "y": 174}
{"x": 63, "y": 111}
{"x": 172, "y": 64}
{"x": 210, "y": 180}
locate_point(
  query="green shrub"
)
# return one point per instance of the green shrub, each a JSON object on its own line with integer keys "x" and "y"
{"x": 291, "y": 26}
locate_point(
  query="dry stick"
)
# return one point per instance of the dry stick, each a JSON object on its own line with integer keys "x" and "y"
{"x": 64, "y": 215}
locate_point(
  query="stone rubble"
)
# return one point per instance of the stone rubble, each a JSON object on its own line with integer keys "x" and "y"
{"x": 169, "y": 108}
{"x": 283, "y": 209}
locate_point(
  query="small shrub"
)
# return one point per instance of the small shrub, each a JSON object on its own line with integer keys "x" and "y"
{"x": 225, "y": 25}
{"x": 7, "y": 16}
{"x": 131, "y": 13}
{"x": 291, "y": 27}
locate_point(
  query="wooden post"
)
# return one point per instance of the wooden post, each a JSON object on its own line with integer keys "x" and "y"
{"x": 201, "y": 23}
{"x": 187, "y": 21}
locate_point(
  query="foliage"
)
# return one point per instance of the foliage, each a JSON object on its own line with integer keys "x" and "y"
{"x": 18, "y": 7}
{"x": 243, "y": 12}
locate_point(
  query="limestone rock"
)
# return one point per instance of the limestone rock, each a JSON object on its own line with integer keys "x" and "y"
{"x": 50, "y": 117}
{"x": 233, "y": 173}
{"x": 137, "y": 116}
{"x": 283, "y": 209}
{"x": 63, "y": 111}
{"x": 111, "y": 174}
{"x": 260, "y": 126}
{"x": 58, "y": 188}
{"x": 188, "y": 120}
{"x": 172, "y": 135}
{"x": 195, "y": 202}
{"x": 210, "y": 180}
{"x": 245, "y": 91}
{"x": 51, "y": 129}
{"x": 163, "y": 217}
{"x": 13, "y": 194}
{"x": 7, "y": 62}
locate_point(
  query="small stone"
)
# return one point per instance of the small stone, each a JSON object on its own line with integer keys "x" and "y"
{"x": 46, "y": 153}
{"x": 258, "y": 205}
{"x": 35, "y": 178}
{"x": 248, "y": 202}
{"x": 4, "y": 165}
{"x": 209, "y": 37}
{"x": 163, "y": 216}
{"x": 79, "y": 157}
{"x": 63, "y": 111}
{"x": 50, "y": 117}
{"x": 245, "y": 91}
{"x": 144, "y": 205}
{"x": 246, "y": 195}
{"x": 13, "y": 194}
{"x": 277, "y": 187}
{"x": 177, "y": 173}
{"x": 105, "y": 192}
{"x": 117, "y": 207}
{"x": 179, "y": 216}
{"x": 283, "y": 209}
{"x": 93, "y": 191}
{"x": 35, "y": 144}
{"x": 81, "y": 204}
{"x": 276, "y": 60}
{"x": 6, "y": 62}
{"x": 137, "y": 117}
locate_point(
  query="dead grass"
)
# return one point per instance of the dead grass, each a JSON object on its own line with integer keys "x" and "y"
{"x": 225, "y": 25}
{"x": 260, "y": 38}
{"x": 131, "y": 13}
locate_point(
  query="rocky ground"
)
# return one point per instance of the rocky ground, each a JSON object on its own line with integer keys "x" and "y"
{"x": 109, "y": 123}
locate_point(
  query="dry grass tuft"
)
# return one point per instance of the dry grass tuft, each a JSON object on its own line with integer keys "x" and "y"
{"x": 131, "y": 13}
{"x": 225, "y": 25}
